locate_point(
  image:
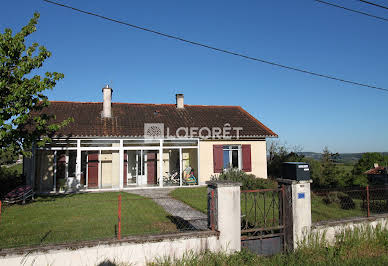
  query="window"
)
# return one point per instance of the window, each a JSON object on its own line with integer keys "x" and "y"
{"x": 232, "y": 156}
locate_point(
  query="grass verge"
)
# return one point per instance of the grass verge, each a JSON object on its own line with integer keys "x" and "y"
{"x": 365, "y": 246}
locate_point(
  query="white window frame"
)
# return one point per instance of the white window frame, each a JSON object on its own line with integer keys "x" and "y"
{"x": 230, "y": 149}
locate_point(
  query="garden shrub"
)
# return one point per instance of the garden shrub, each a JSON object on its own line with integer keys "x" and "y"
{"x": 347, "y": 202}
{"x": 9, "y": 179}
{"x": 249, "y": 181}
{"x": 341, "y": 198}
{"x": 333, "y": 197}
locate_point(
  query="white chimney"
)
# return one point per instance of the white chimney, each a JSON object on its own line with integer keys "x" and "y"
{"x": 107, "y": 105}
{"x": 180, "y": 101}
{"x": 376, "y": 165}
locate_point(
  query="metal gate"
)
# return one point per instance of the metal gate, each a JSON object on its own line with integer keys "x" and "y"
{"x": 263, "y": 220}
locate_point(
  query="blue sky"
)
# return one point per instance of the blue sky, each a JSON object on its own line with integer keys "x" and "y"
{"x": 307, "y": 111}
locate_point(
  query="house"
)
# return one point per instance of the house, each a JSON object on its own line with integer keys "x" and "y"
{"x": 377, "y": 175}
{"x": 127, "y": 145}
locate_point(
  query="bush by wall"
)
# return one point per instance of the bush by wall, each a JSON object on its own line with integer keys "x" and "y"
{"x": 341, "y": 198}
{"x": 10, "y": 178}
{"x": 249, "y": 181}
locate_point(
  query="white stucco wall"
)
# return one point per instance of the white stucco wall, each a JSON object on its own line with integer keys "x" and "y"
{"x": 131, "y": 253}
{"x": 330, "y": 229}
{"x": 258, "y": 157}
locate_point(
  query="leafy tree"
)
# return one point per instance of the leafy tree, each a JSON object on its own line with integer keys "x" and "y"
{"x": 315, "y": 170}
{"x": 365, "y": 163}
{"x": 21, "y": 92}
{"x": 7, "y": 156}
{"x": 331, "y": 175}
{"x": 278, "y": 154}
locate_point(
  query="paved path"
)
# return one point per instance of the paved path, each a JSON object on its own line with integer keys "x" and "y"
{"x": 182, "y": 214}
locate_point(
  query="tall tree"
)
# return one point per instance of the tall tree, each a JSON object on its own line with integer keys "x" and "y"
{"x": 367, "y": 161}
{"x": 21, "y": 92}
{"x": 331, "y": 174}
{"x": 278, "y": 154}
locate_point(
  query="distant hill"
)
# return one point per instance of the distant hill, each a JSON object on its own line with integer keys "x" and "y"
{"x": 350, "y": 158}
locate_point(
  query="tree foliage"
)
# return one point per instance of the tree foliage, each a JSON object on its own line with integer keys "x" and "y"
{"x": 367, "y": 161}
{"x": 7, "y": 156}
{"x": 278, "y": 154}
{"x": 22, "y": 93}
{"x": 330, "y": 174}
{"x": 326, "y": 172}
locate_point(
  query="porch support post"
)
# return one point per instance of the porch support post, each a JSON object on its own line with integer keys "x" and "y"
{"x": 161, "y": 163}
{"x": 121, "y": 156}
{"x": 78, "y": 164}
{"x": 33, "y": 165}
{"x": 67, "y": 171}
{"x": 99, "y": 170}
{"x": 180, "y": 167}
{"x": 55, "y": 172}
{"x": 198, "y": 163}
{"x": 41, "y": 153}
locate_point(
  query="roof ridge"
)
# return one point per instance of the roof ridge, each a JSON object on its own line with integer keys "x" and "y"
{"x": 71, "y": 102}
{"x": 168, "y": 104}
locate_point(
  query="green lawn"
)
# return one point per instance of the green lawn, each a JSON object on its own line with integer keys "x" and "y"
{"x": 80, "y": 217}
{"x": 197, "y": 198}
{"x": 321, "y": 211}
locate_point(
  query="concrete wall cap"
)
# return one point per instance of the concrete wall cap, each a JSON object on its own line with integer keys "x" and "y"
{"x": 292, "y": 182}
{"x": 223, "y": 183}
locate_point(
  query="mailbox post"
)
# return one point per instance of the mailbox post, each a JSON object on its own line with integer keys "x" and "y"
{"x": 296, "y": 178}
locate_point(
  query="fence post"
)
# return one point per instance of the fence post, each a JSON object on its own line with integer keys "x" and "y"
{"x": 212, "y": 211}
{"x": 119, "y": 219}
{"x": 227, "y": 213}
{"x": 367, "y": 200}
{"x": 298, "y": 210}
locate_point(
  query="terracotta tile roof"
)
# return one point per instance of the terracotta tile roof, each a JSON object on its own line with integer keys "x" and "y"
{"x": 379, "y": 170}
{"x": 129, "y": 118}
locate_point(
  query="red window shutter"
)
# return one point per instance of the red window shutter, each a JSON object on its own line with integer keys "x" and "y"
{"x": 246, "y": 158}
{"x": 217, "y": 159}
{"x": 93, "y": 169}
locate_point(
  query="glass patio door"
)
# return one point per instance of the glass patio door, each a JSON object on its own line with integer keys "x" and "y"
{"x": 141, "y": 168}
